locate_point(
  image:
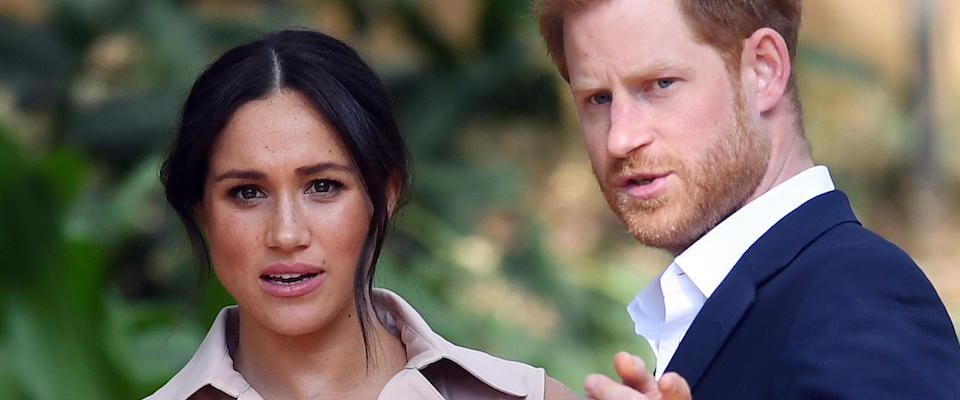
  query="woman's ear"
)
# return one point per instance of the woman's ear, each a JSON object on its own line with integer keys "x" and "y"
{"x": 394, "y": 190}
{"x": 766, "y": 59}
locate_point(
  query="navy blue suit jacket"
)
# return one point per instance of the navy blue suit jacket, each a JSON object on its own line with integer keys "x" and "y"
{"x": 822, "y": 308}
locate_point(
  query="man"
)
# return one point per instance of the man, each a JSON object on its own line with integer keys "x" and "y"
{"x": 691, "y": 119}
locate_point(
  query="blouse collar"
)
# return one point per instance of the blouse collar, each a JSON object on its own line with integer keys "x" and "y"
{"x": 212, "y": 364}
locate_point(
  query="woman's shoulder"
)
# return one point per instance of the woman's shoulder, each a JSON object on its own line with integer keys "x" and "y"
{"x": 456, "y": 371}
{"x": 209, "y": 374}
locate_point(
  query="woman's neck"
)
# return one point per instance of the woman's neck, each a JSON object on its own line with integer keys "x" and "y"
{"x": 327, "y": 363}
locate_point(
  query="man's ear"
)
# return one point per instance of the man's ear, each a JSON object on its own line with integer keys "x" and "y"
{"x": 765, "y": 56}
{"x": 394, "y": 188}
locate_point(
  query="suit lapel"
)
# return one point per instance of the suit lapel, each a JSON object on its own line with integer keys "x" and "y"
{"x": 733, "y": 298}
{"x": 711, "y": 327}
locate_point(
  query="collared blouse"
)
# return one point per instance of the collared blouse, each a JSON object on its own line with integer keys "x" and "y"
{"x": 435, "y": 368}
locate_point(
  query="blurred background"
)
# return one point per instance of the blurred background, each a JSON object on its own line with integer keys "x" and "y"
{"x": 506, "y": 244}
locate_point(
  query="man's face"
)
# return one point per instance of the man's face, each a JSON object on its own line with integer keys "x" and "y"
{"x": 664, "y": 124}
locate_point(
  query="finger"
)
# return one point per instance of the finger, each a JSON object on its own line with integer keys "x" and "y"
{"x": 599, "y": 387}
{"x": 674, "y": 387}
{"x": 633, "y": 372}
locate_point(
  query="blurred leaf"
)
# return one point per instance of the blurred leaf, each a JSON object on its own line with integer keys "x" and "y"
{"x": 131, "y": 207}
{"x": 30, "y": 224}
{"x": 98, "y": 282}
{"x": 441, "y": 54}
{"x": 44, "y": 347}
{"x": 8, "y": 382}
{"x": 66, "y": 172}
{"x": 177, "y": 43}
{"x": 34, "y": 63}
{"x": 154, "y": 332}
{"x": 499, "y": 19}
{"x": 124, "y": 130}
{"x": 835, "y": 62}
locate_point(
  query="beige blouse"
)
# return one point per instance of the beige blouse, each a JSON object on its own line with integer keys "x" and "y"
{"x": 435, "y": 369}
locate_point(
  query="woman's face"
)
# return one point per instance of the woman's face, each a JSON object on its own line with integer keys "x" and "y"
{"x": 285, "y": 214}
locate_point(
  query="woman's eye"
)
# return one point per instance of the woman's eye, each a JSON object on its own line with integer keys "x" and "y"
{"x": 601, "y": 98}
{"x": 664, "y": 83}
{"x": 324, "y": 186}
{"x": 247, "y": 193}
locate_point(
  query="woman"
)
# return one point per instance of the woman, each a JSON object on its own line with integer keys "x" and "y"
{"x": 286, "y": 169}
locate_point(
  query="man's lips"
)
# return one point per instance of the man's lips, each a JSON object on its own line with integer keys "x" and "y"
{"x": 626, "y": 181}
{"x": 643, "y": 185}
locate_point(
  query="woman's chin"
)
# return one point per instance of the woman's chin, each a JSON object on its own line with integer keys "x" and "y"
{"x": 291, "y": 329}
{"x": 292, "y": 320}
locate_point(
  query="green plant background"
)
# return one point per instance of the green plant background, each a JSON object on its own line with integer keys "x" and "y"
{"x": 505, "y": 244}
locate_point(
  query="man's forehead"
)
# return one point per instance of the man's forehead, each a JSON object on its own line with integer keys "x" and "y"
{"x": 636, "y": 37}
{"x": 618, "y": 22}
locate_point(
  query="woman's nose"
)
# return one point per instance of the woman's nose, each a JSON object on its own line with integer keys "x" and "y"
{"x": 288, "y": 229}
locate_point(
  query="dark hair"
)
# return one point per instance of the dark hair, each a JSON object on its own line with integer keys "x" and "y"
{"x": 338, "y": 83}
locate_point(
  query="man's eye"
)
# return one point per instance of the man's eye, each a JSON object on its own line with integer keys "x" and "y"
{"x": 324, "y": 186}
{"x": 664, "y": 83}
{"x": 601, "y": 98}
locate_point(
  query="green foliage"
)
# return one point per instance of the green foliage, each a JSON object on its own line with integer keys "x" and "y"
{"x": 101, "y": 297}
{"x": 100, "y": 290}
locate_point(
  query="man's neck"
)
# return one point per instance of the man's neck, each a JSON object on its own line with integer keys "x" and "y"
{"x": 789, "y": 150}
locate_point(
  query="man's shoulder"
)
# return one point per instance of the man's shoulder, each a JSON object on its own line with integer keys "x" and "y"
{"x": 854, "y": 239}
{"x": 860, "y": 313}
{"x": 824, "y": 237}
{"x": 852, "y": 248}
{"x": 845, "y": 265}
{"x": 850, "y": 267}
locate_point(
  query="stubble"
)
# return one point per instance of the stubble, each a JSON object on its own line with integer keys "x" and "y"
{"x": 709, "y": 189}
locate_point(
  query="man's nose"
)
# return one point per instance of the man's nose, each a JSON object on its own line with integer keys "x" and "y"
{"x": 630, "y": 127}
{"x": 288, "y": 228}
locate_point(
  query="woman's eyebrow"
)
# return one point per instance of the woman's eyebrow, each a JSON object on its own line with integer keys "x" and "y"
{"x": 324, "y": 166}
{"x": 305, "y": 170}
{"x": 239, "y": 174}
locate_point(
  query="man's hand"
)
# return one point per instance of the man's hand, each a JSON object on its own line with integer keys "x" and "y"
{"x": 638, "y": 384}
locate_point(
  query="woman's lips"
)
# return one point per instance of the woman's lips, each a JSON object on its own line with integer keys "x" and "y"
{"x": 291, "y": 280}
{"x": 644, "y": 186}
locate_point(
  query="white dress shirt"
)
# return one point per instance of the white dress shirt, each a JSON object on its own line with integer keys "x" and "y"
{"x": 663, "y": 311}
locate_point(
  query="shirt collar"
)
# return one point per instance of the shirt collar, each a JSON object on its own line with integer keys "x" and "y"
{"x": 648, "y": 312}
{"x": 212, "y": 364}
{"x": 425, "y": 347}
{"x": 708, "y": 260}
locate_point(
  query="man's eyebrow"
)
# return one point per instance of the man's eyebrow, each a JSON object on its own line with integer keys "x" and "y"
{"x": 589, "y": 84}
{"x": 584, "y": 83}
{"x": 239, "y": 174}
{"x": 655, "y": 70}
{"x": 324, "y": 166}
